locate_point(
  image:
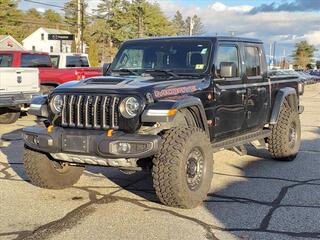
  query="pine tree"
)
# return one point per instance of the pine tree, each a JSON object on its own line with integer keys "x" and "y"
{"x": 197, "y": 26}
{"x": 52, "y": 16}
{"x": 10, "y": 19}
{"x": 179, "y": 24}
{"x": 303, "y": 54}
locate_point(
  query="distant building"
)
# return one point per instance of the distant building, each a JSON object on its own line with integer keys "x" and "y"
{"x": 38, "y": 41}
{"x": 9, "y": 43}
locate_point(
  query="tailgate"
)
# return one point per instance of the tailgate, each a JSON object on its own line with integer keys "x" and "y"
{"x": 16, "y": 80}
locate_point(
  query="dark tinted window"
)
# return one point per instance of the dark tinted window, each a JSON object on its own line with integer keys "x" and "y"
{"x": 35, "y": 60}
{"x": 55, "y": 60}
{"x": 77, "y": 61}
{"x": 252, "y": 61}
{"x": 6, "y": 60}
{"x": 227, "y": 54}
{"x": 176, "y": 55}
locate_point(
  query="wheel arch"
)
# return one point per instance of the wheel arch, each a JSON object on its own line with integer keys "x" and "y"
{"x": 283, "y": 94}
{"x": 160, "y": 112}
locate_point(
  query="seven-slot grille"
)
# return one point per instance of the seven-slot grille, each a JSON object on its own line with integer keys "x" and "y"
{"x": 90, "y": 111}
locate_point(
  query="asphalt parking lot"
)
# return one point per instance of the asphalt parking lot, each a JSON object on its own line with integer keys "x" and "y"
{"x": 252, "y": 197}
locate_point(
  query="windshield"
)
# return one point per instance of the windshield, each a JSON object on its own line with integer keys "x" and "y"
{"x": 179, "y": 56}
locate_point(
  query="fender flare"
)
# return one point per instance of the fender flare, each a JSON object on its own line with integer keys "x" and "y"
{"x": 158, "y": 112}
{"x": 284, "y": 93}
{"x": 39, "y": 106}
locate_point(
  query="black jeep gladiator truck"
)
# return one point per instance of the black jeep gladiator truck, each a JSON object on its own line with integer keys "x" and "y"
{"x": 165, "y": 104}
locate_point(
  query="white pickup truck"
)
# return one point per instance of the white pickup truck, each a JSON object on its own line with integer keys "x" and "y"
{"x": 17, "y": 87}
{"x": 69, "y": 60}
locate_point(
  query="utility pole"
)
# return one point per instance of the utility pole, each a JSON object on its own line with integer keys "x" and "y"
{"x": 82, "y": 25}
{"x": 140, "y": 19}
{"x": 274, "y": 53}
{"x": 284, "y": 58}
{"x": 191, "y": 26}
{"x": 270, "y": 54}
{"x": 79, "y": 26}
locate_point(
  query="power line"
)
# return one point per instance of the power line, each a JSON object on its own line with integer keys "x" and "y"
{"x": 44, "y": 4}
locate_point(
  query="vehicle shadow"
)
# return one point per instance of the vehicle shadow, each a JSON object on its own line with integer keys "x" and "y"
{"x": 250, "y": 196}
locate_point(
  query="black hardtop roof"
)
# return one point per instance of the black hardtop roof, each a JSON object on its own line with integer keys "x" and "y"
{"x": 211, "y": 38}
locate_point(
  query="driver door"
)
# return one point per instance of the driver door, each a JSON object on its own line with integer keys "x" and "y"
{"x": 229, "y": 93}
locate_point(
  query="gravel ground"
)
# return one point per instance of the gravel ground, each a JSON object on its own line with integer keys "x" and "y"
{"x": 252, "y": 197}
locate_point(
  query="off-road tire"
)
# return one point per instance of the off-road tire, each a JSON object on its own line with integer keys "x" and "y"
{"x": 279, "y": 142}
{"x": 170, "y": 164}
{"x": 8, "y": 116}
{"x": 45, "y": 89}
{"x": 42, "y": 172}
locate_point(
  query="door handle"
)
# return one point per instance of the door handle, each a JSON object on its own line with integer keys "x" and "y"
{"x": 242, "y": 91}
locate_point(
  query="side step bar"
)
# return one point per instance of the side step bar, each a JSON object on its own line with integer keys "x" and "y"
{"x": 240, "y": 140}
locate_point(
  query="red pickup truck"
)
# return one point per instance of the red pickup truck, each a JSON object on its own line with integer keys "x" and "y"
{"x": 50, "y": 77}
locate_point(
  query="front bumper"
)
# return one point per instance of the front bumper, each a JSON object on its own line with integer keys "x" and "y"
{"x": 90, "y": 143}
{"x": 11, "y": 100}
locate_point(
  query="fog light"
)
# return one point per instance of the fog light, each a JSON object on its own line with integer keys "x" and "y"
{"x": 36, "y": 140}
{"x": 129, "y": 147}
{"x": 123, "y": 147}
{"x": 31, "y": 138}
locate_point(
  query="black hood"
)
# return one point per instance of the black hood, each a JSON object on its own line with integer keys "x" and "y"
{"x": 136, "y": 85}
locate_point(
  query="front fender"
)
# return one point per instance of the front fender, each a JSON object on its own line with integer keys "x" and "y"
{"x": 164, "y": 110}
{"x": 39, "y": 106}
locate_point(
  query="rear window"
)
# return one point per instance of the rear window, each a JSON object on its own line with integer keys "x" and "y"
{"x": 35, "y": 60}
{"x": 6, "y": 60}
{"x": 55, "y": 59}
{"x": 252, "y": 61}
{"x": 77, "y": 61}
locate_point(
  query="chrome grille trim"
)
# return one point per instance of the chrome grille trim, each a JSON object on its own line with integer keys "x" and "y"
{"x": 90, "y": 111}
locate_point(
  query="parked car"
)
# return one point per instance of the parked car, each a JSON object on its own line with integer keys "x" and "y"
{"x": 316, "y": 75}
{"x": 50, "y": 77}
{"x": 69, "y": 60}
{"x": 17, "y": 87}
{"x": 166, "y": 104}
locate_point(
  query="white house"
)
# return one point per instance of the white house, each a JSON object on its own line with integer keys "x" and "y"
{"x": 9, "y": 43}
{"x": 38, "y": 41}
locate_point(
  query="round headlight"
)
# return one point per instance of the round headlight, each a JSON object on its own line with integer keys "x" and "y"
{"x": 56, "y": 104}
{"x": 129, "y": 107}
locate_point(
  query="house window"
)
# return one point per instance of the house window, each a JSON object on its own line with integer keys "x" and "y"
{"x": 67, "y": 49}
{"x": 33, "y": 48}
{"x": 42, "y": 36}
{"x": 51, "y": 48}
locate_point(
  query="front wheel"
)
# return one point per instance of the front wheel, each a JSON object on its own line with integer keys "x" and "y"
{"x": 47, "y": 173}
{"x": 285, "y": 139}
{"x": 8, "y": 115}
{"x": 45, "y": 89}
{"x": 183, "y": 168}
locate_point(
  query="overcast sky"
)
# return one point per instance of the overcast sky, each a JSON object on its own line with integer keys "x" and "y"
{"x": 285, "y": 22}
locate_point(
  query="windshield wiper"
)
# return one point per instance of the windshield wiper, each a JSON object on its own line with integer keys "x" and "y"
{"x": 167, "y": 72}
{"x": 124, "y": 70}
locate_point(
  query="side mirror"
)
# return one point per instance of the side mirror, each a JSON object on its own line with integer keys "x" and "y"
{"x": 105, "y": 68}
{"x": 228, "y": 69}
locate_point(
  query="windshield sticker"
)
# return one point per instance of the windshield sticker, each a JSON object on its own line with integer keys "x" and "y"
{"x": 199, "y": 66}
{"x": 204, "y": 51}
{"x": 174, "y": 91}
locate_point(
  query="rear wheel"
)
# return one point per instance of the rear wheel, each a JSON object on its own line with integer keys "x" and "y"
{"x": 8, "y": 115}
{"x": 183, "y": 168}
{"x": 46, "y": 173}
{"x": 285, "y": 139}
